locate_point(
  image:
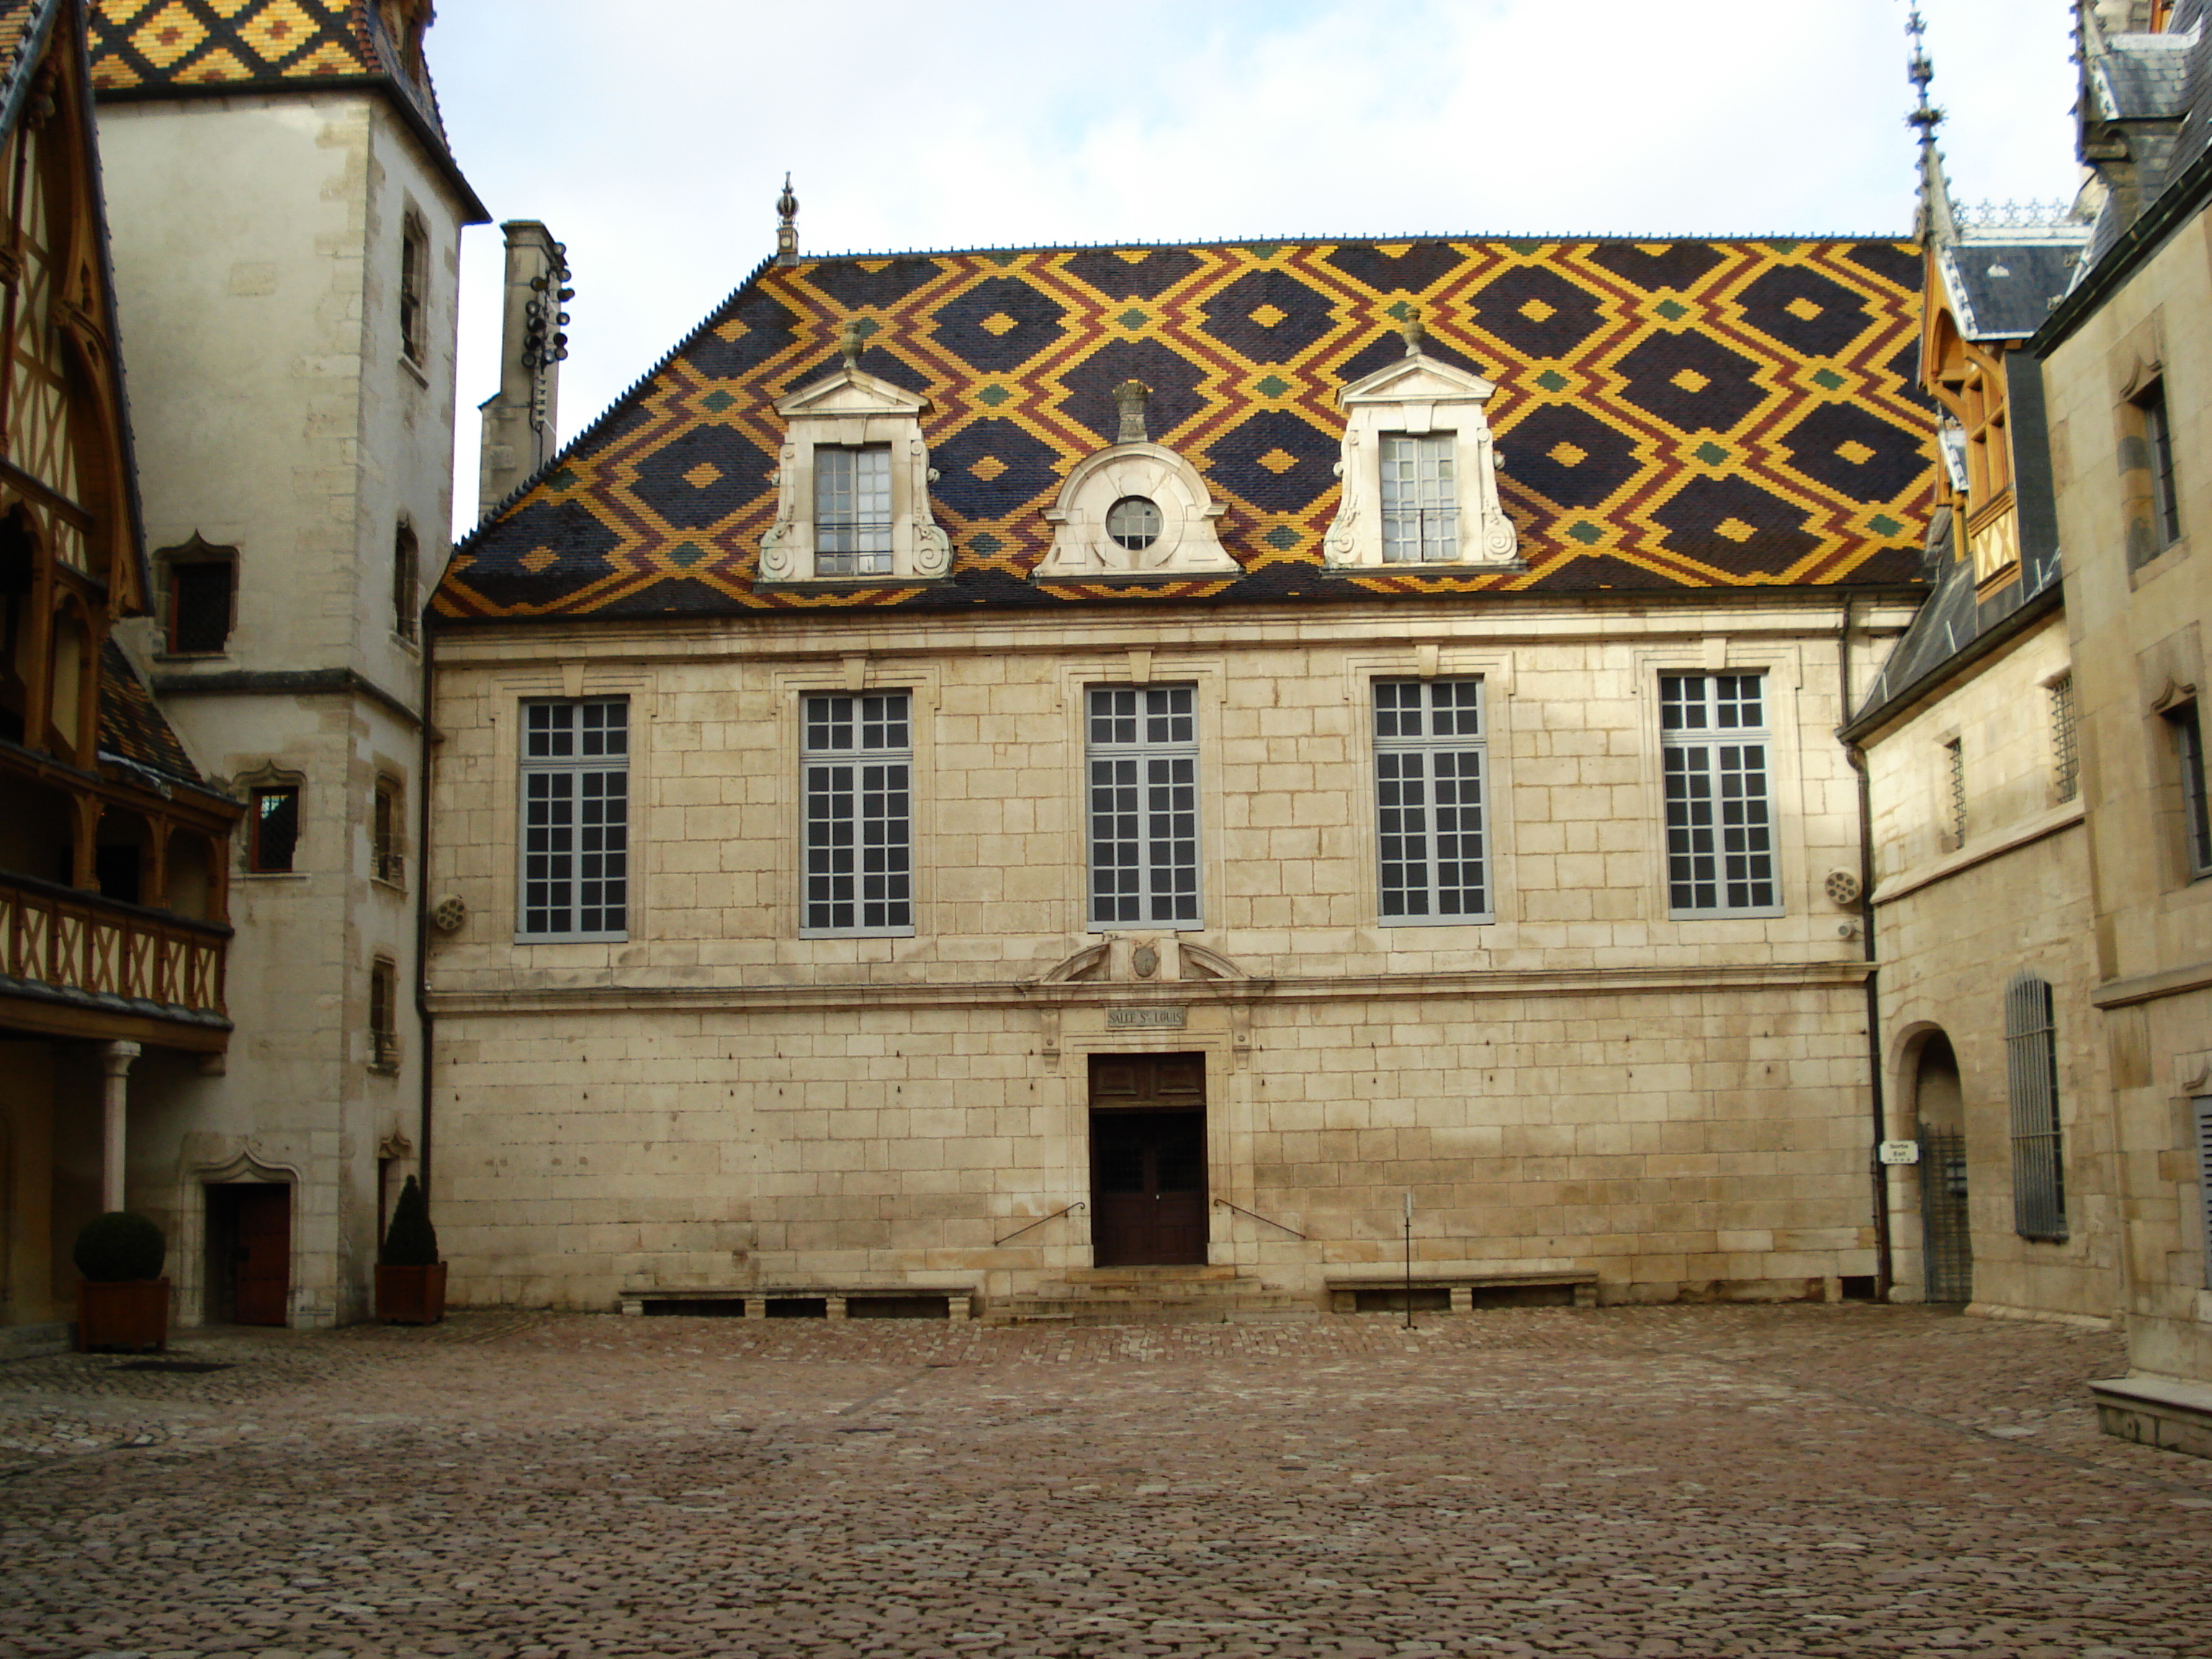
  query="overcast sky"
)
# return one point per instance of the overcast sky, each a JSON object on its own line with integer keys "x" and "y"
{"x": 653, "y": 139}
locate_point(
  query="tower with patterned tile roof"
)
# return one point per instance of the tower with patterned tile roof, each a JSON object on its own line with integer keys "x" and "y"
{"x": 286, "y": 225}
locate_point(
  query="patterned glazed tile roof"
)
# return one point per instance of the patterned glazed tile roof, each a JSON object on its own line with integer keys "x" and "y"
{"x": 1669, "y": 416}
{"x": 165, "y": 48}
{"x": 131, "y": 724}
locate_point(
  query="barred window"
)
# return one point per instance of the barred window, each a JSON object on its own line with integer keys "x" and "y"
{"x": 1430, "y": 801}
{"x": 201, "y": 594}
{"x": 2039, "y": 1179}
{"x": 413, "y": 288}
{"x": 2201, "y": 1109}
{"x": 2065, "y": 758}
{"x": 2195, "y": 809}
{"x": 383, "y": 1016}
{"x": 1143, "y": 760}
{"x": 1720, "y": 832}
{"x": 853, "y": 510}
{"x": 856, "y": 758}
{"x": 273, "y": 832}
{"x": 575, "y": 820}
{"x": 388, "y": 861}
{"x": 1954, "y": 790}
{"x": 1420, "y": 499}
{"x": 406, "y": 595}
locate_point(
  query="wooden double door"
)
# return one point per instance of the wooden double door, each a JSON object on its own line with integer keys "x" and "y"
{"x": 1148, "y": 1190}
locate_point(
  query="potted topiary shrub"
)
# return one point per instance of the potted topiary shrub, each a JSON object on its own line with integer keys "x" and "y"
{"x": 410, "y": 1280}
{"x": 122, "y": 1301}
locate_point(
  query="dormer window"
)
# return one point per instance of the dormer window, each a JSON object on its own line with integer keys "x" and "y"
{"x": 1420, "y": 502}
{"x": 853, "y": 510}
{"x": 1420, "y": 479}
{"x": 1133, "y": 522}
{"x": 853, "y": 486}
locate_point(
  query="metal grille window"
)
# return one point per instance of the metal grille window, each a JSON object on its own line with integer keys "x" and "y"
{"x": 200, "y": 606}
{"x": 575, "y": 820}
{"x": 387, "y": 862}
{"x": 2158, "y": 456}
{"x": 1429, "y": 801}
{"x": 2038, "y": 1178}
{"x": 857, "y": 766}
{"x": 2065, "y": 756}
{"x": 2195, "y": 809}
{"x": 1420, "y": 499}
{"x": 383, "y": 1016}
{"x": 273, "y": 835}
{"x": 414, "y": 288}
{"x": 406, "y": 599}
{"x": 853, "y": 510}
{"x": 1720, "y": 831}
{"x": 1143, "y": 757}
{"x": 1955, "y": 785}
{"x": 2201, "y": 1109}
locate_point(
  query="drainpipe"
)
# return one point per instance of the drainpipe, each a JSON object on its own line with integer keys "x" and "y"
{"x": 423, "y": 1016}
{"x": 1876, "y": 1175}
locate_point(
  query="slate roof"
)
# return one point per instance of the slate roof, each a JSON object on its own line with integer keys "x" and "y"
{"x": 1670, "y": 416}
{"x": 166, "y": 48}
{"x": 131, "y": 722}
{"x": 2005, "y": 289}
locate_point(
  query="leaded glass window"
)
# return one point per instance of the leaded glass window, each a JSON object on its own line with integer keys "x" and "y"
{"x": 857, "y": 765}
{"x": 575, "y": 820}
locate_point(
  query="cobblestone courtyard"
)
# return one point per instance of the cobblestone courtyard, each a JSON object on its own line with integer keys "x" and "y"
{"x": 1691, "y": 1481}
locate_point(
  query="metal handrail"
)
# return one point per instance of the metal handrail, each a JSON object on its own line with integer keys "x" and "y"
{"x": 1063, "y": 1210}
{"x": 1269, "y": 1220}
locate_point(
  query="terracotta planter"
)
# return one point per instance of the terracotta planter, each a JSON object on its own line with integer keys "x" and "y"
{"x": 133, "y": 1314}
{"x": 411, "y": 1296}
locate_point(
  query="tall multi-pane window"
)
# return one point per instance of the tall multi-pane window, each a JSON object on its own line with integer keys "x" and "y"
{"x": 2038, "y": 1178}
{"x": 856, "y": 761}
{"x": 1430, "y": 800}
{"x": 1142, "y": 752}
{"x": 575, "y": 819}
{"x": 413, "y": 288}
{"x": 1420, "y": 499}
{"x": 2158, "y": 457}
{"x": 853, "y": 510}
{"x": 2066, "y": 758}
{"x": 388, "y": 859}
{"x": 383, "y": 1015}
{"x": 2195, "y": 807}
{"x": 406, "y": 597}
{"x": 1720, "y": 829}
{"x": 273, "y": 831}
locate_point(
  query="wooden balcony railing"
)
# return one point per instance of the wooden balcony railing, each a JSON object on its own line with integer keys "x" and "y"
{"x": 72, "y": 940}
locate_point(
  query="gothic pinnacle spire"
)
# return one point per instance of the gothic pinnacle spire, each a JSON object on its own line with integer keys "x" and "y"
{"x": 1932, "y": 220}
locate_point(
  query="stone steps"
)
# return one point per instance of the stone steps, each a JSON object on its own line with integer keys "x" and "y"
{"x": 1155, "y": 1297}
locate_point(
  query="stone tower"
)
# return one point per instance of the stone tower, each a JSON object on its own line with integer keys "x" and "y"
{"x": 286, "y": 218}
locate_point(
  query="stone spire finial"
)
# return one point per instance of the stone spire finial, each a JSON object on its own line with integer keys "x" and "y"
{"x": 1413, "y": 330}
{"x": 786, "y": 231}
{"x": 852, "y": 341}
{"x": 1933, "y": 222}
{"x": 1131, "y": 398}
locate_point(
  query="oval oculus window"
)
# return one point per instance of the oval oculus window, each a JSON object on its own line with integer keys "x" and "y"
{"x": 1134, "y": 522}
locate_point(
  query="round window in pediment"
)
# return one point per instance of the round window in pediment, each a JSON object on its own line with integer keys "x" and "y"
{"x": 1134, "y": 522}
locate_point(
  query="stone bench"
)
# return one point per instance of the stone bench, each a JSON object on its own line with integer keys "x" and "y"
{"x": 1464, "y": 1291}
{"x": 955, "y": 1303}
{"x": 2156, "y": 1410}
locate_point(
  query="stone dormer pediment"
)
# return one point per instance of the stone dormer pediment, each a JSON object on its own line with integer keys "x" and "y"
{"x": 850, "y": 391}
{"x": 1417, "y": 379}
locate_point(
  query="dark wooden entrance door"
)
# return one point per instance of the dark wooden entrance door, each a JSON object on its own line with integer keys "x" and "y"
{"x": 1148, "y": 1195}
{"x": 262, "y": 1278}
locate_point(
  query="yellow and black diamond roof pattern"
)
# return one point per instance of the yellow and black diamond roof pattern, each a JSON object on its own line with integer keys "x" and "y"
{"x": 194, "y": 42}
{"x": 1675, "y": 415}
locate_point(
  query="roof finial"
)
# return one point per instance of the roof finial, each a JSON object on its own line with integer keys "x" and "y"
{"x": 852, "y": 341}
{"x": 1933, "y": 222}
{"x": 1413, "y": 331}
{"x": 1130, "y": 397}
{"x": 786, "y": 233}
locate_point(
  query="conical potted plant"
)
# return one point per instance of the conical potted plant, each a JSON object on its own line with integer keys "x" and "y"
{"x": 411, "y": 1280}
{"x": 122, "y": 1300}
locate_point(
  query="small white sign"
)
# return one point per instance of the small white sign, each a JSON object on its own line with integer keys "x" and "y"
{"x": 1900, "y": 1152}
{"x": 1171, "y": 1017}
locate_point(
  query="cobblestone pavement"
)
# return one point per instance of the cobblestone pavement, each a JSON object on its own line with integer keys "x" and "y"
{"x": 1675, "y": 1482}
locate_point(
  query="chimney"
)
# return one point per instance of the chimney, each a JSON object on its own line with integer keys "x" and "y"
{"x": 518, "y": 419}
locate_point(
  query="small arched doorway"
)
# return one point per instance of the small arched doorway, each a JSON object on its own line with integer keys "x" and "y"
{"x": 1947, "y": 1242}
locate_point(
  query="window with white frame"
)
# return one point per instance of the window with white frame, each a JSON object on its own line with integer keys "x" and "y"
{"x": 2195, "y": 809}
{"x": 1142, "y": 751}
{"x": 2038, "y": 1178}
{"x": 1720, "y": 818}
{"x": 853, "y": 510}
{"x": 1430, "y": 801}
{"x": 856, "y": 761}
{"x": 575, "y": 820}
{"x": 1420, "y": 498}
